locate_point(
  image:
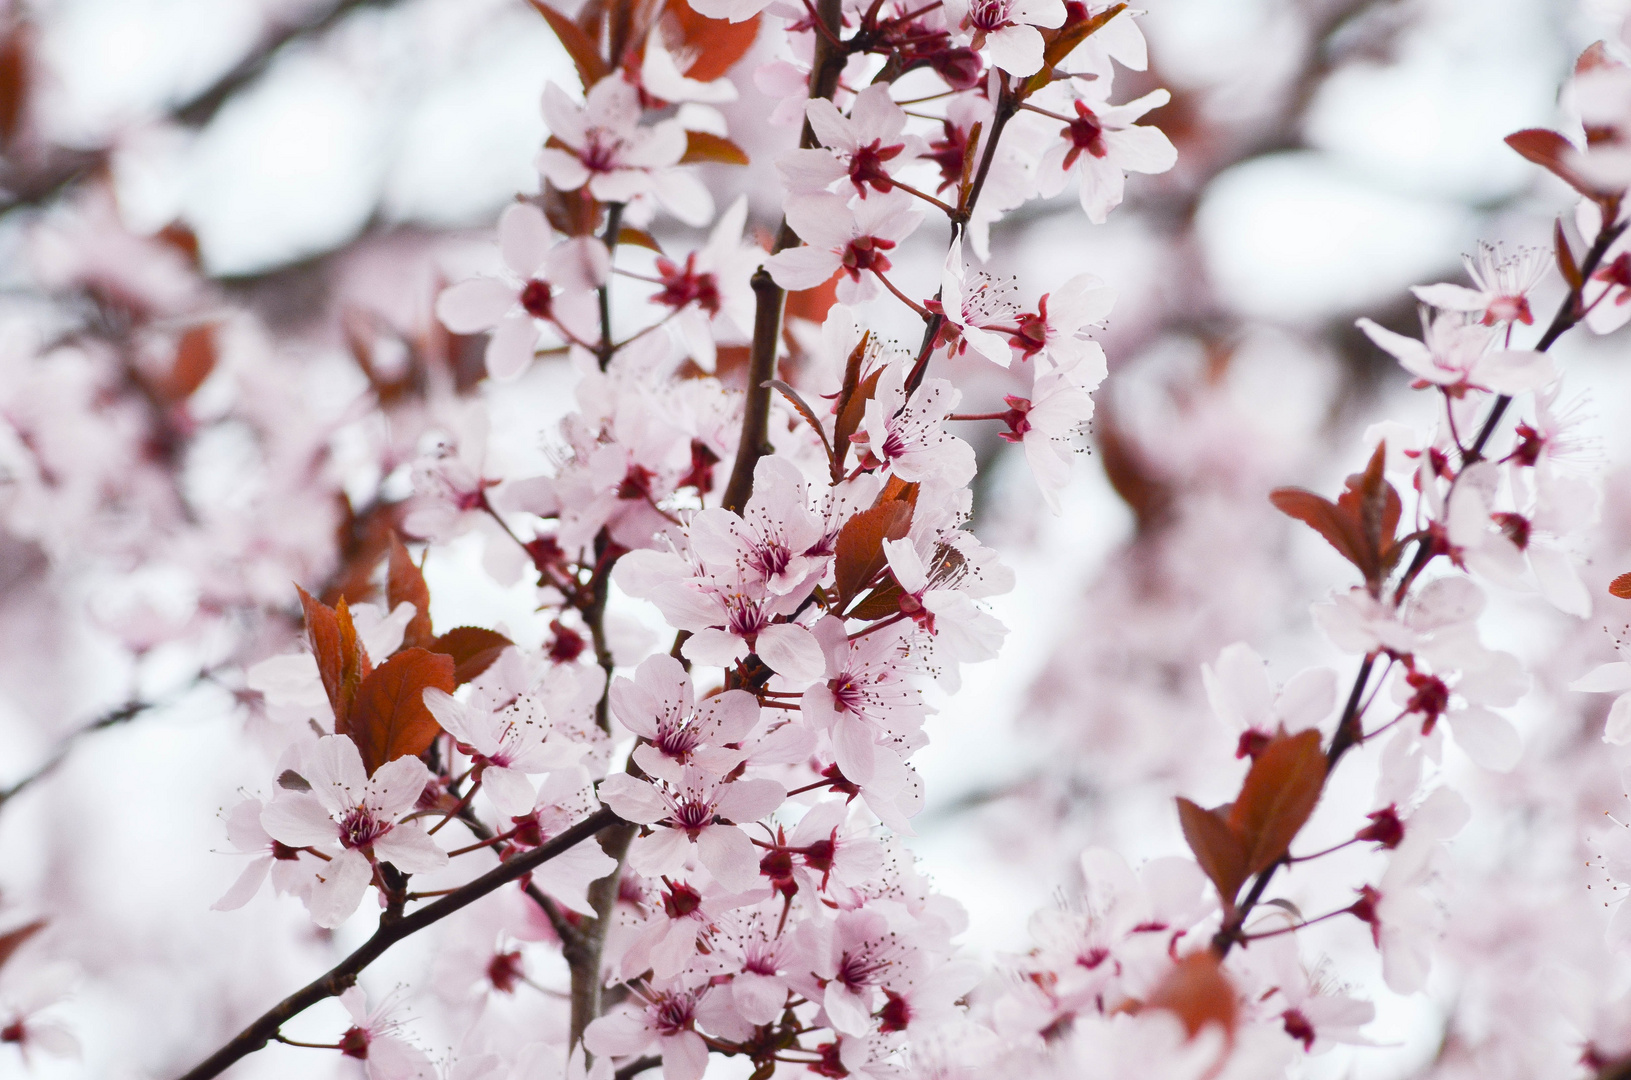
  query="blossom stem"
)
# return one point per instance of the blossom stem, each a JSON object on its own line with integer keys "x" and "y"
{"x": 1298, "y": 926}
{"x": 614, "y": 228}
{"x": 902, "y": 297}
{"x": 978, "y": 416}
{"x": 1026, "y": 105}
{"x": 307, "y": 1045}
{"x": 457, "y": 809}
{"x": 478, "y": 845}
{"x": 1569, "y": 312}
{"x": 344, "y": 974}
{"x": 1007, "y": 106}
{"x": 945, "y": 208}
{"x": 769, "y": 298}
{"x": 1321, "y": 854}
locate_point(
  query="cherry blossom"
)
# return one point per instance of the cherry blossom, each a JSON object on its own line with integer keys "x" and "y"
{"x": 545, "y": 283}
{"x": 359, "y": 815}
{"x": 1241, "y": 694}
{"x": 506, "y": 746}
{"x": 1008, "y": 28}
{"x": 907, "y": 435}
{"x": 659, "y": 707}
{"x": 602, "y": 145}
{"x": 374, "y": 1040}
{"x": 291, "y": 871}
{"x": 1457, "y": 354}
{"x": 1105, "y": 143}
{"x": 837, "y": 237}
{"x": 864, "y": 147}
{"x": 690, "y": 812}
{"x": 1503, "y": 282}
{"x": 666, "y": 1019}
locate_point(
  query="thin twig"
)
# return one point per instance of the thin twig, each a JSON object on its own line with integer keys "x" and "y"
{"x": 344, "y": 974}
{"x": 769, "y": 298}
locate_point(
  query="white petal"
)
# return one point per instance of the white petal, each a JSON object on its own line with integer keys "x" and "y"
{"x": 1486, "y": 737}
{"x": 473, "y": 306}
{"x": 510, "y": 349}
{"x": 339, "y": 888}
{"x": 1611, "y": 678}
{"x": 523, "y": 238}
{"x": 792, "y": 652}
{"x": 729, "y": 856}
{"x": 632, "y": 800}
{"x": 1016, "y": 49}
{"x": 411, "y": 850}
{"x": 247, "y": 885}
{"x": 299, "y": 819}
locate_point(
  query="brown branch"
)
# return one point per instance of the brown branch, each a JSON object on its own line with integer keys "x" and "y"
{"x": 1349, "y": 732}
{"x": 827, "y": 66}
{"x": 120, "y": 715}
{"x": 1569, "y": 312}
{"x": 344, "y": 974}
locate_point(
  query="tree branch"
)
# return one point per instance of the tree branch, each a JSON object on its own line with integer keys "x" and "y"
{"x": 344, "y": 974}
{"x": 769, "y": 297}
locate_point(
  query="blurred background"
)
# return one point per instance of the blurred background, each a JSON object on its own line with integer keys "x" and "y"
{"x": 303, "y": 174}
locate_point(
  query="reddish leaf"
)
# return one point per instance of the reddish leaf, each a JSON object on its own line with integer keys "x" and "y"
{"x": 704, "y": 48}
{"x": 1063, "y": 42}
{"x": 1219, "y": 851}
{"x": 638, "y": 237}
{"x": 859, "y": 548}
{"x": 572, "y": 213}
{"x": 16, "y": 80}
{"x": 405, "y": 583}
{"x": 852, "y": 399}
{"x": 342, "y": 661}
{"x": 579, "y": 45}
{"x": 1556, "y": 155}
{"x": 704, "y": 146}
{"x": 1362, "y": 522}
{"x": 1621, "y": 587}
{"x": 12, "y": 940}
{"x": 1279, "y": 793}
{"x": 802, "y": 407}
{"x": 1566, "y": 264}
{"x": 180, "y": 236}
{"x": 323, "y": 634}
{"x": 195, "y": 359}
{"x": 1198, "y": 993}
{"x": 880, "y": 603}
{"x": 389, "y": 718}
{"x": 473, "y": 649}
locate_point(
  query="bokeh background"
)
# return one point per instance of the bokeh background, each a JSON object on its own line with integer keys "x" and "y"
{"x": 327, "y": 164}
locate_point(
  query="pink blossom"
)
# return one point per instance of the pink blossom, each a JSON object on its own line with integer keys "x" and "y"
{"x": 374, "y": 1039}
{"x": 658, "y": 706}
{"x": 665, "y": 1018}
{"x": 544, "y": 283}
{"x": 908, "y": 437}
{"x": 836, "y": 237}
{"x": 690, "y": 812}
{"x": 1008, "y": 29}
{"x": 1106, "y": 144}
{"x": 1457, "y": 355}
{"x": 1503, "y": 285}
{"x": 506, "y": 745}
{"x": 291, "y": 871}
{"x": 602, "y": 144}
{"x": 352, "y": 819}
{"x": 864, "y": 147}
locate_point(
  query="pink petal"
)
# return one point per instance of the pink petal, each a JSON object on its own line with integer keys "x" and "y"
{"x": 475, "y": 305}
